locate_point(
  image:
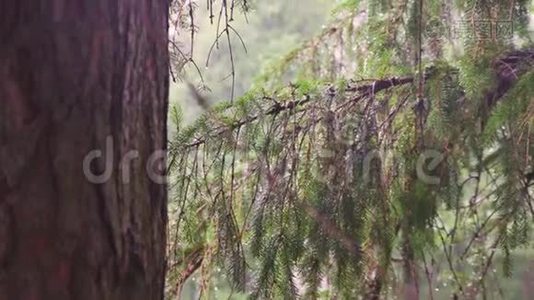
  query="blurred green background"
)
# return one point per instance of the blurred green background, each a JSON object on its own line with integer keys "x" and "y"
{"x": 269, "y": 30}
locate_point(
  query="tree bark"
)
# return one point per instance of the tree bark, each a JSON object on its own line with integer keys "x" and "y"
{"x": 72, "y": 74}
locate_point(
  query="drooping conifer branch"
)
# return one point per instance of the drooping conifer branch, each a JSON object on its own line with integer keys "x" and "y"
{"x": 353, "y": 93}
{"x": 287, "y": 149}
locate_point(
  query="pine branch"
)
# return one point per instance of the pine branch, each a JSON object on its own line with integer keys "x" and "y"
{"x": 192, "y": 263}
{"x": 364, "y": 91}
{"x": 508, "y": 68}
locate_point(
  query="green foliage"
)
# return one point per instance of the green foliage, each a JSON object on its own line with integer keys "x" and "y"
{"x": 348, "y": 5}
{"x": 313, "y": 178}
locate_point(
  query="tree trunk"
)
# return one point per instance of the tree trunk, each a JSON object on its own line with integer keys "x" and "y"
{"x": 78, "y": 76}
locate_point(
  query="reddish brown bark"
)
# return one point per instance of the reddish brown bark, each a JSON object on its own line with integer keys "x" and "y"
{"x": 72, "y": 73}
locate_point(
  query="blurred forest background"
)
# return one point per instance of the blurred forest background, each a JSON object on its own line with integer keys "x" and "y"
{"x": 269, "y": 30}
